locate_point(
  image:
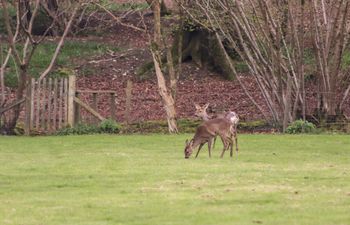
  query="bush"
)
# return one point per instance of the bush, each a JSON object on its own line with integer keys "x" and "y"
{"x": 106, "y": 126}
{"x": 301, "y": 126}
{"x": 109, "y": 126}
{"x": 79, "y": 129}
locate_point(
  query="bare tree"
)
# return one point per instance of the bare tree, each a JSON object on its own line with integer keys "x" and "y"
{"x": 269, "y": 37}
{"x": 330, "y": 35}
{"x": 22, "y": 52}
{"x": 158, "y": 46}
{"x": 165, "y": 5}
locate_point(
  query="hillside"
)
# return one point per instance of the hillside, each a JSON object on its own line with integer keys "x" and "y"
{"x": 196, "y": 85}
{"x": 119, "y": 52}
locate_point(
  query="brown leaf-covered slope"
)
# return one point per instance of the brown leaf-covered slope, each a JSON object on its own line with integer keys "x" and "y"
{"x": 196, "y": 85}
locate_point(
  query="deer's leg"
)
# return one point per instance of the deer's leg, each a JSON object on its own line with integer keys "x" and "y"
{"x": 231, "y": 145}
{"x": 214, "y": 142}
{"x": 209, "y": 146}
{"x": 224, "y": 141}
{"x": 236, "y": 141}
{"x": 200, "y": 146}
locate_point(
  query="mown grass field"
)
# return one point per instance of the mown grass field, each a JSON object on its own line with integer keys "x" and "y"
{"x": 101, "y": 179}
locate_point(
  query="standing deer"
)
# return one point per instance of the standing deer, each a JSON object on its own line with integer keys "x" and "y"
{"x": 206, "y": 132}
{"x": 201, "y": 112}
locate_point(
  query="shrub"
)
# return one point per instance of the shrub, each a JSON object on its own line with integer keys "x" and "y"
{"x": 301, "y": 126}
{"x": 78, "y": 130}
{"x": 109, "y": 126}
{"x": 106, "y": 126}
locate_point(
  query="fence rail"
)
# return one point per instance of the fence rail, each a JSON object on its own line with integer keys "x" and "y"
{"x": 93, "y": 108}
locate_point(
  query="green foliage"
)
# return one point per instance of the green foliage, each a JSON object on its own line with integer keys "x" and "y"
{"x": 11, "y": 80}
{"x": 346, "y": 58}
{"x": 310, "y": 68}
{"x": 109, "y": 126}
{"x": 190, "y": 25}
{"x": 241, "y": 67}
{"x": 301, "y": 126}
{"x": 114, "y": 6}
{"x": 79, "y": 129}
{"x": 106, "y": 126}
{"x": 70, "y": 54}
{"x": 188, "y": 126}
{"x": 161, "y": 126}
{"x": 12, "y": 14}
{"x": 145, "y": 71}
{"x": 155, "y": 126}
{"x": 255, "y": 125}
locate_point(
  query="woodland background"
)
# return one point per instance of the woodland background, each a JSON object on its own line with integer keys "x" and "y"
{"x": 272, "y": 62}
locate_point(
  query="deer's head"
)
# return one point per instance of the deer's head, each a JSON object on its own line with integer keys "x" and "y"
{"x": 188, "y": 148}
{"x": 233, "y": 117}
{"x": 201, "y": 111}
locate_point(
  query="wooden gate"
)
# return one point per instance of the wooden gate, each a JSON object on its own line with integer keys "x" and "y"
{"x": 48, "y": 104}
{"x": 53, "y": 103}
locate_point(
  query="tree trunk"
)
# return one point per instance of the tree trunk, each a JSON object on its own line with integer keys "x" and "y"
{"x": 287, "y": 104}
{"x": 22, "y": 60}
{"x": 163, "y": 5}
{"x": 203, "y": 49}
{"x": 22, "y": 84}
{"x": 52, "y": 5}
{"x": 168, "y": 100}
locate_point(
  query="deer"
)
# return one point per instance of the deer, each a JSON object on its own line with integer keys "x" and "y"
{"x": 206, "y": 132}
{"x": 201, "y": 112}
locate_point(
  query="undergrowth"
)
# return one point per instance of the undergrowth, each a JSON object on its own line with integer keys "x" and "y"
{"x": 70, "y": 55}
{"x": 301, "y": 126}
{"x": 106, "y": 126}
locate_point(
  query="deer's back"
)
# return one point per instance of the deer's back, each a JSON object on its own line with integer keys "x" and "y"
{"x": 203, "y": 132}
{"x": 217, "y": 125}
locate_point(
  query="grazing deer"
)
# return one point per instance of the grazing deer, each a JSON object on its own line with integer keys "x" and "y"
{"x": 201, "y": 112}
{"x": 206, "y": 132}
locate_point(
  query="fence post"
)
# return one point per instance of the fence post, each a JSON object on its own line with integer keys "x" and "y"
{"x": 60, "y": 103}
{"x": 128, "y": 101}
{"x": 113, "y": 117}
{"x": 32, "y": 121}
{"x": 37, "y": 111}
{"x": 55, "y": 96}
{"x": 28, "y": 110}
{"x": 65, "y": 101}
{"x": 49, "y": 108}
{"x": 77, "y": 110}
{"x": 94, "y": 106}
{"x": 42, "y": 115}
{"x": 71, "y": 95}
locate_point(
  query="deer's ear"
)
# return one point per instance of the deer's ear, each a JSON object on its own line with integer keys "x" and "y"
{"x": 186, "y": 142}
{"x": 206, "y": 106}
{"x": 197, "y": 106}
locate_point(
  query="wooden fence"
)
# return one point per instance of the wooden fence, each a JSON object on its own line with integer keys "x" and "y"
{"x": 93, "y": 95}
{"x": 51, "y": 104}
{"x": 47, "y": 104}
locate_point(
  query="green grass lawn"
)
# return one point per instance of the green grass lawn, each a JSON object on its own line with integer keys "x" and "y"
{"x": 101, "y": 179}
